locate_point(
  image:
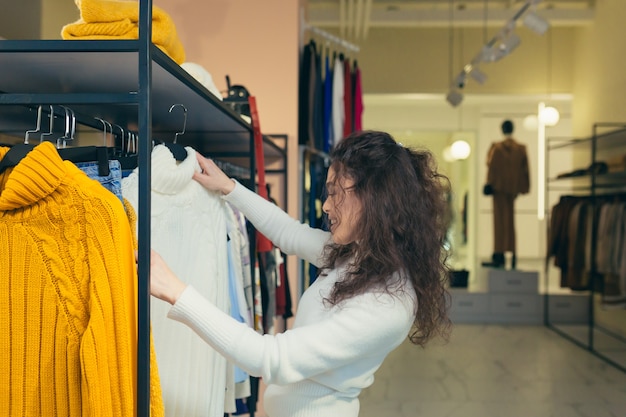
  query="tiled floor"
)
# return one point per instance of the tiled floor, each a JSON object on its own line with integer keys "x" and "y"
{"x": 496, "y": 371}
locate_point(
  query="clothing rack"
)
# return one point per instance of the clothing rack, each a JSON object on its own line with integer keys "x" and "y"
{"x": 332, "y": 38}
{"x": 211, "y": 124}
{"x": 233, "y": 170}
{"x": 606, "y": 139}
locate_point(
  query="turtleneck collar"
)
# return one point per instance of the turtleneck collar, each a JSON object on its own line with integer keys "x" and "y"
{"x": 36, "y": 176}
{"x": 168, "y": 175}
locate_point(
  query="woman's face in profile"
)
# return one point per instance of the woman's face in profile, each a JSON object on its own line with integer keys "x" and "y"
{"x": 342, "y": 207}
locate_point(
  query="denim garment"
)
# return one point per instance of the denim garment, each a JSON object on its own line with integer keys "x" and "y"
{"x": 112, "y": 182}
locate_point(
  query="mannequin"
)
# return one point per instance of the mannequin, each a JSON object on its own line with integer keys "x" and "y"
{"x": 507, "y": 177}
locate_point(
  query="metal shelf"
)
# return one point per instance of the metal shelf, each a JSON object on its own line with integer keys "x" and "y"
{"x": 99, "y": 78}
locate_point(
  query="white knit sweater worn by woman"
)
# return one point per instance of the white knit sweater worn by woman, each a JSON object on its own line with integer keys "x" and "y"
{"x": 318, "y": 367}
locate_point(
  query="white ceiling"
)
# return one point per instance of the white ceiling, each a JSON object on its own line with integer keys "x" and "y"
{"x": 356, "y": 16}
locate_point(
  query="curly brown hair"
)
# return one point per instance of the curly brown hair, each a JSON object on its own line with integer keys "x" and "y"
{"x": 401, "y": 230}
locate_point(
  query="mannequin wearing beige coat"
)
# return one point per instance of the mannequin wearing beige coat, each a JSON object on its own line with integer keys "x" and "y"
{"x": 508, "y": 175}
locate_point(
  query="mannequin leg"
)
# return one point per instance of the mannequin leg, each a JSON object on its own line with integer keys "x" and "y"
{"x": 497, "y": 260}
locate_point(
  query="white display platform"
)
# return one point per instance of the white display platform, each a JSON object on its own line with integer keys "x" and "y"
{"x": 499, "y": 296}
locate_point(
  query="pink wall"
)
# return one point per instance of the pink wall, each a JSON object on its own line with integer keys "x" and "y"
{"x": 256, "y": 44}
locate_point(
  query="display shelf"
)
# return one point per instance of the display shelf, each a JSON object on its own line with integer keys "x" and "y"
{"x": 100, "y": 79}
{"x": 554, "y": 143}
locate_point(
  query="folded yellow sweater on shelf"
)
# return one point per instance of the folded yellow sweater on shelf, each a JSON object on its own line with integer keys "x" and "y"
{"x": 119, "y": 19}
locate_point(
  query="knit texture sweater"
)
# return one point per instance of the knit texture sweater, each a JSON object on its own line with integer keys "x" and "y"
{"x": 68, "y": 333}
{"x": 189, "y": 230}
{"x": 319, "y": 367}
{"x": 119, "y": 19}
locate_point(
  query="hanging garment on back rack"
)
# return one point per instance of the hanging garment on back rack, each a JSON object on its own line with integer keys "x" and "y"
{"x": 610, "y": 250}
{"x": 188, "y": 228}
{"x": 112, "y": 181}
{"x": 338, "y": 115}
{"x": 240, "y": 245}
{"x": 347, "y": 98}
{"x": 238, "y": 311}
{"x": 306, "y": 96}
{"x": 357, "y": 105}
{"x": 68, "y": 296}
{"x": 328, "y": 103}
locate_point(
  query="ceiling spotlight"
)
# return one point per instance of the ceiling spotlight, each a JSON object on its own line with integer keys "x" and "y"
{"x": 473, "y": 71}
{"x": 459, "y": 81}
{"x": 491, "y": 54}
{"x": 500, "y": 49}
{"x": 536, "y": 23}
{"x": 454, "y": 98}
{"x": 478, "y": 76}
{"x": 510, "y": 43}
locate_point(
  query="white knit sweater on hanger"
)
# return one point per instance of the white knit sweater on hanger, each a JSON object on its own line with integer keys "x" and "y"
{"x": 188, "y": 229}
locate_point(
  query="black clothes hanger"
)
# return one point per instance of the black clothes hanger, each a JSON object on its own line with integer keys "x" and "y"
{"x": 128, "y": 157}
{"x": 179, "y": 151}
{"x": 127, "y": 152}
{"x": 15, "y": 155}
{"x": 19, "y": 151}
{"x": 99, "y": 154}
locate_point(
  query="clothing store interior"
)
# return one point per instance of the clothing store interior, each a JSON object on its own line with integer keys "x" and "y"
{"x": 537, "y": 276}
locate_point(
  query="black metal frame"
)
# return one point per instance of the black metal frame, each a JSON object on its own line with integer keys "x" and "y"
{"x": 127, "y": 81}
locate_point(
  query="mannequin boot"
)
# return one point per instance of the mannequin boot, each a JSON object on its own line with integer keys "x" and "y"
{"x": 497, "y": 260}
{"x": 513, "y": 261}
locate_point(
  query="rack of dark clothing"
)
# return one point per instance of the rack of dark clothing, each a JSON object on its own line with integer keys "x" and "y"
{"x": 586, "y": 242}
{"x": 330, "y": 99}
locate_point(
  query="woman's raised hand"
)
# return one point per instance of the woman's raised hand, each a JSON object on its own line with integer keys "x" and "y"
{"x": 212, "y": 177}
{"x": 164, "y": 284}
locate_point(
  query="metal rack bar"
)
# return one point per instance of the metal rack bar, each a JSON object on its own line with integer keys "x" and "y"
{"x": 69, "y": 98}
{"x": 332, "y": 38}
{"x": 144, "y": 211}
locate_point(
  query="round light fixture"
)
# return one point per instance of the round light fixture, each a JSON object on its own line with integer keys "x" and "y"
{"x": 447, "y": 154}
{"x": 549, "y": 116}
{"x": 531, "y": 122}
{"x": 460, "y": 149}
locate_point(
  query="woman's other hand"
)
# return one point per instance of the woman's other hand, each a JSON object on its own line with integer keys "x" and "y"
{"x": 212, "y": 177}
{"x": 164, "y": 284}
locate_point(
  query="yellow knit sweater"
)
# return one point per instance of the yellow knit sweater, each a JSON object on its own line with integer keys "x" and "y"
{"x": 67, "y": 293}
{"x": 119, "y": 19}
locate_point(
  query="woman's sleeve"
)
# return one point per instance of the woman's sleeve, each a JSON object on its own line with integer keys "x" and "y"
{"x": 367, "y": 325}
{"x": 285, "y": 232}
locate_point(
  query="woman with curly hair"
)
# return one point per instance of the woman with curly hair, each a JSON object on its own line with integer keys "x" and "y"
{"x": 382, "y": 278}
